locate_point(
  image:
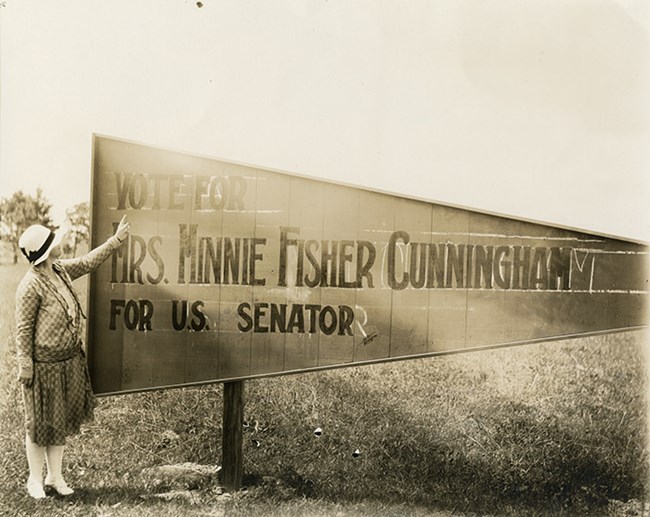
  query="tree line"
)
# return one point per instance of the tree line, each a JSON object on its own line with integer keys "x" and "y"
{"x": 20, "y": 210}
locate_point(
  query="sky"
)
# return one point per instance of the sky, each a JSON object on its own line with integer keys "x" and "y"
{"x": 537, "y": 110}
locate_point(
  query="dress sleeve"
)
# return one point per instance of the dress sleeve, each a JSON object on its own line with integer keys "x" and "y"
{"x": 83, "y": 265}
{"x": 28, "y": 302}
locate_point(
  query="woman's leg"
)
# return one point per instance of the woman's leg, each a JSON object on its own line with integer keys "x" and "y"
{"x": 35, "y": 457}
{"x": 54, "y": 478}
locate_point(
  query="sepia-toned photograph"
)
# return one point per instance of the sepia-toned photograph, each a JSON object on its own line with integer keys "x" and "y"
{"x": 324, "y": 258}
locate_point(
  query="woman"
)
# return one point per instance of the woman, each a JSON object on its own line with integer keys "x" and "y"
{"x": 51, "y": 361}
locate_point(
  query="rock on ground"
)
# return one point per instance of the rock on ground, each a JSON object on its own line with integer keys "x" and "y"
{"x": 189, "y": 476}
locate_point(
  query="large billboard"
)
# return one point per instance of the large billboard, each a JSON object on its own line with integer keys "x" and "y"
{"x": 233, "y": 272}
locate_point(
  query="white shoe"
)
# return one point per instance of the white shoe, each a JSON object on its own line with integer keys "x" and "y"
{"x": 35, "y": 488}
{"x": 59, "y": 485}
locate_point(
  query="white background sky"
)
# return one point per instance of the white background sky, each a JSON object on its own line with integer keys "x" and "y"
{"x": 535, "y": 109}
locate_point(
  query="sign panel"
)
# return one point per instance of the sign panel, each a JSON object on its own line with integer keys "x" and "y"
{"x": 234, "y": 272}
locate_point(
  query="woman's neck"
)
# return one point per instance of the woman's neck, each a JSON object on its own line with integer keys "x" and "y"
{"x": 46, "y": 267}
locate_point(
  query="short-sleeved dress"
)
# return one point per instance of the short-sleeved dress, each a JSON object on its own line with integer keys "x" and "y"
{"x": 49, "y": 347}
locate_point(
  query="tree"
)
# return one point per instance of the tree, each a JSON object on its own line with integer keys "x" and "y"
{"x": 78, "y": 222}
{"x": 19, "y": 212}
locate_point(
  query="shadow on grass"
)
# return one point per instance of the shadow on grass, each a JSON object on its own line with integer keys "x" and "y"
{"x": 107, "y": 495}
{"x": 84, "y": 501}
{"x": 502, "y": 456}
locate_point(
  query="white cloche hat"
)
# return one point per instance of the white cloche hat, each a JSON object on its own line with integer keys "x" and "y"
{"x": 37, "y": 241}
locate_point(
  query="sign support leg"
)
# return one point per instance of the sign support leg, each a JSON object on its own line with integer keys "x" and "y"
{"x": 232, "y": 442}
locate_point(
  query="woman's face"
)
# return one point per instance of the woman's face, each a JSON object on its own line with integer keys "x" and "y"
{"x": 55, "y": 252}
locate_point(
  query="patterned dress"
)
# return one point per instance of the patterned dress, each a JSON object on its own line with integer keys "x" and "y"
{"x": 49, "y": 348}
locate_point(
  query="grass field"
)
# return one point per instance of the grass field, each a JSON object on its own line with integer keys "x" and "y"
{"x": 547, "y": 429}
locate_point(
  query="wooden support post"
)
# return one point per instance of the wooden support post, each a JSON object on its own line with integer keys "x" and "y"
{"x": 232, "y": 442}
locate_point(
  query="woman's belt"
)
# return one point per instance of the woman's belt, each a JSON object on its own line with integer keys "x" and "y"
{"x": 56, "y": 355}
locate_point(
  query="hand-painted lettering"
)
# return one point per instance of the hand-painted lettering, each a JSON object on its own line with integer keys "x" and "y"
{"x": 330, "y": 263}
{"x": 144, "y": 191}
{"x": 129, "y": 263}
{"x": 134, "y": 314}
{"x": 418, "y": 265}
{"x": 181, "y": 314}
{"x": 218, "y": 260}
{"x": 265, "y": 317}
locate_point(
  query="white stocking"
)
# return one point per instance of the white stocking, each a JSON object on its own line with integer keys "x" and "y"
{"x": 35, "y": 457}
{"x": 54, "y": 460}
